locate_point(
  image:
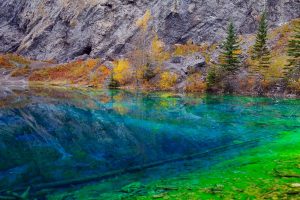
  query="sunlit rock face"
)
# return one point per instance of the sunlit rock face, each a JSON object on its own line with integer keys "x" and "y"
{"x": 65, "y": 29}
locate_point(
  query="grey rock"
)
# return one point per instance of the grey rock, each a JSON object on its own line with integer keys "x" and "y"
{"x": 194, "y": 62}
{"x": 176, "y": 59}
{"x": 185, "y": 65}
{"x": 66, "y": 29}
{"x": 82, "y": 57}
{"x": 109, "y": 64}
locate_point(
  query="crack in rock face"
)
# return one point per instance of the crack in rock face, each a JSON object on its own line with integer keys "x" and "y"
{"x": 64, "y": 30}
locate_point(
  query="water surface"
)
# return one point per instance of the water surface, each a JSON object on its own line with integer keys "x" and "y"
{"x": 51, "y": 135}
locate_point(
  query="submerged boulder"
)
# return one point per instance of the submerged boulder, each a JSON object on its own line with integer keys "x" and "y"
{"x": 132, "y": 187}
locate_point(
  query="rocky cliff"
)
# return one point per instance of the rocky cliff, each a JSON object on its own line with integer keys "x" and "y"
{"x": 66, "y": 29}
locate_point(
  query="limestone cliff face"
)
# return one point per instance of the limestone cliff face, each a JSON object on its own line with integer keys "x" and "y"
{"x": 66, "y": 29}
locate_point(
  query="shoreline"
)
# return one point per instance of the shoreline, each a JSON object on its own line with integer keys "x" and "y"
{"x": 29, "y": 84}
{"x": 22, "y": 84}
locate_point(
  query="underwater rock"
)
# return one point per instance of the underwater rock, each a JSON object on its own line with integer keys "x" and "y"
{"x": 157, "y": 196}
{"x": 295, "y": 185}
{"x": 218, "y": 188}
{"x": 132, "y": 187}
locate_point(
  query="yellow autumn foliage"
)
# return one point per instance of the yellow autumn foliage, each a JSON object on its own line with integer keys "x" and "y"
{"x": 157, "y": 45}
{"x": 277, "y": 66}
{"x": 295, "y": 86}
{"x": 158, "y": 52}
{"x": 186, "y": 49}
{"x": 195, "y": 84}
{"x": 122, "y": 71}
{"x": 140, "y": 72}
{"x": 143, "y": 21}
{"x": 275, "y": 71}
{"x": 238, "y": 52}
{"x": 167, "y": 80}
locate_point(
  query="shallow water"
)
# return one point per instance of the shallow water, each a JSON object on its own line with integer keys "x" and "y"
{"x": 51, "y": 135}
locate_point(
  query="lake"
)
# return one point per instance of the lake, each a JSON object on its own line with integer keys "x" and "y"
{"x": 58, "y": 138}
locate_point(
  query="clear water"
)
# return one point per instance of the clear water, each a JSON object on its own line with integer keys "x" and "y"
{"x": 52, "y": 135}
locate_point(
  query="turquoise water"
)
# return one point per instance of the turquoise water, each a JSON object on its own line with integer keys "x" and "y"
{"x": 55, "y": 135}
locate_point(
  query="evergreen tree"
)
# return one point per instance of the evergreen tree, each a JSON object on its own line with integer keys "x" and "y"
{"x": 294, "y": 52}
{"x": 261, "y": 52}
{"x": 230, "y": 55}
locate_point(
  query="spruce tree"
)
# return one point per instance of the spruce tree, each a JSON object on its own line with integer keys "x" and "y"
{"x": 294, "y": 52}
{"x": 261, "y": 51}
{"x": 230, "y": 55}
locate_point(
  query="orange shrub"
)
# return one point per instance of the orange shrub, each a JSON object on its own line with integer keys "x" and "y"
{"x": 195, "y": 84}
{"x": 266, "y": 84}
{"x": 77, "y": 72}
{"x": 91, "y": 63}
{"x": 21, "y": 71}
{"x": 247, "y": 83}
{"x": 4, "y": 62}
{"x": 99, "y": 76}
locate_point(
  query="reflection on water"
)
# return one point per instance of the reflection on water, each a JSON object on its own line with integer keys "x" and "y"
{"x": 49, "y": 135}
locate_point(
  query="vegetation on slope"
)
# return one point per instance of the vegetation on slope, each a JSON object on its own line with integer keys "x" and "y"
{"x": 14, "y": 65}
{"x": 264, "y": 69}
{"x": 78, "y": 73}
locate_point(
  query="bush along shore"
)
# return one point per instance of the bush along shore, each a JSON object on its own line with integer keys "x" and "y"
{"x": 264, "y": 63}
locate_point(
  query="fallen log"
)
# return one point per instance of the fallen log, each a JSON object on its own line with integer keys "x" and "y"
{"x": 285, "y": 175}
{"x": 112, "y": 174}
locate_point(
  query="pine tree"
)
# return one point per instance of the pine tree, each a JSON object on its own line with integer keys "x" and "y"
{"x": 294, "y": 52}
{"x": 230, "y": 55}
{"x": 261, "y": 51}
{"x": 260, "y": 47}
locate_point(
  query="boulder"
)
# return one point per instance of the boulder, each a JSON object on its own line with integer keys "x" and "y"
{"x": 185, "y": 65}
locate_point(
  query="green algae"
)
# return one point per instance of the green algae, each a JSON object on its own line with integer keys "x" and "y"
{"x": 270, "y": 171}
{"x": 254, "y": 174}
